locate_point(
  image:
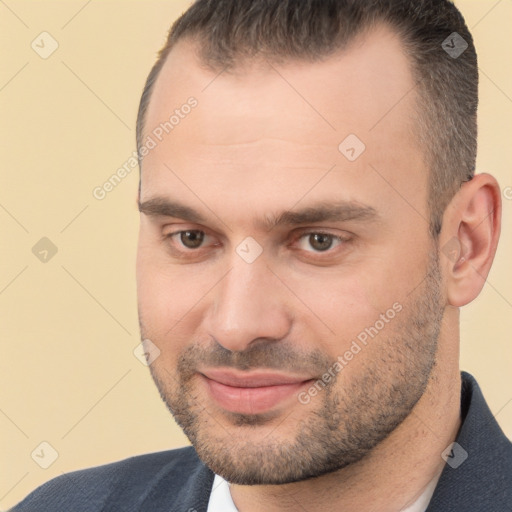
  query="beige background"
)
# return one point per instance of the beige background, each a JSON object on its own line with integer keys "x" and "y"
{"x": 68, "y": 375}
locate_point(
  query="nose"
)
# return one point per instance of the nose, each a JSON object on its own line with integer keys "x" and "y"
{"x": 249, "y": 304}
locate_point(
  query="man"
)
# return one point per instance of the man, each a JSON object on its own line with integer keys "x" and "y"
{"x": 310, "y": 226}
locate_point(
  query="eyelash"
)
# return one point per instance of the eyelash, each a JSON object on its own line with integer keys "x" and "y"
{"x": 303, "y": 235}
{"x": 334, "y": 238}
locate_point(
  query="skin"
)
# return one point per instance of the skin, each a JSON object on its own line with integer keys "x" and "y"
{"x": 263, "y": 140}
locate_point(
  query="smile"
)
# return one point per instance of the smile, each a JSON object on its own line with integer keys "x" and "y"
{"x": 251, "y": 393}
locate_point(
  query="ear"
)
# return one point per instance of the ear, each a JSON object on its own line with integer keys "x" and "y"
{"x": 469, "y": 238}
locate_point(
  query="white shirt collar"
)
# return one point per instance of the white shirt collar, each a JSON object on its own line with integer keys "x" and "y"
{"x": 220, "y": 498}
{"x": 221, "y": 501}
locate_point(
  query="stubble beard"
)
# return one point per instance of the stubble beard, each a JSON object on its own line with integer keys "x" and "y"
{"x": 347, "y": 419}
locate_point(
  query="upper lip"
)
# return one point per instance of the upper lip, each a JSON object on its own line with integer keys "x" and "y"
{"x": 251, "y": 379}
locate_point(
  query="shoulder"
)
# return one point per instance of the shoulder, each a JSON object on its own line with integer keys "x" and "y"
{"x": 125, "y": 481}
{"x": 479, "y": 476}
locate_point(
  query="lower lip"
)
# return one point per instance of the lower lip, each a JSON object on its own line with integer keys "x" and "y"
{"x": 251, "y": 400}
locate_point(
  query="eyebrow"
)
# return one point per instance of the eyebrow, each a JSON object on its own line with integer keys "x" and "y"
{"x": 341, "y": 211}
{"x": 160, "y": 206}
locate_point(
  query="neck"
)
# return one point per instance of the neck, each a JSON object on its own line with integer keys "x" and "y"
{"x": 396, "y": 472}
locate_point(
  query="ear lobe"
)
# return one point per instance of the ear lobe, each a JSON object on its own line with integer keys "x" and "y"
{"x": 469, "y": 242}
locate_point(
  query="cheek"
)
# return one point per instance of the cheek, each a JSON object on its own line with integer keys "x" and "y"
{"x": 170, "y": 296}
{"x": 343, "y": 304}
{"x": 158, "y": 291}
{"x": 339, "y": 305}
{"x": 166, "y": 310}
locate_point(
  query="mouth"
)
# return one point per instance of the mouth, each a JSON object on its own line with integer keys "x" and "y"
{"x": 251, "y": 392}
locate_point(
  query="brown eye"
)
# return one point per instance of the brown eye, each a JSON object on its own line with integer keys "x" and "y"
{"x": 320, "y": 241}
{"x": 192, "y": 239}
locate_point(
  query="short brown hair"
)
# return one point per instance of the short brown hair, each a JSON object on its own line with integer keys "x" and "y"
{"x": 230, "y": 31}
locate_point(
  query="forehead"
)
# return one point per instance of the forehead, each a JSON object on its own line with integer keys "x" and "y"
{"x": 283, "y": 124}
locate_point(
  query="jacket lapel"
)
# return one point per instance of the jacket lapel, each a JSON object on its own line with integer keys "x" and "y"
{"x": 483, "y": 482}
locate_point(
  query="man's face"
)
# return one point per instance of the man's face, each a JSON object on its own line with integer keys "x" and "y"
{"x": 290, "y": 285}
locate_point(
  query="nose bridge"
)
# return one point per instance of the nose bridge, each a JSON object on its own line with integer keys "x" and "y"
{"x": 247, "y": 305}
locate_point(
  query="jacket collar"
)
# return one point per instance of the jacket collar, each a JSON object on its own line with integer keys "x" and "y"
{"x": 483, "y": 481}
